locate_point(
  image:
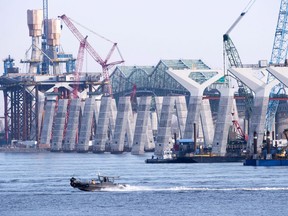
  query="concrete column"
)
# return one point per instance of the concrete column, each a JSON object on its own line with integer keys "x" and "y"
{"x": 224, "y": 121}
{"x": 124, "y": 109}
{"x": 140, "y": 134}
{"x": 46, "y": 133}
{"x": 102, "y": 132}
{"x": 86, "y": 125}
{"x": 150, "y": 144}
{"x": 164, "y": 137}
{"x": 207, "y": 123}
{"x": 159, "y": 103}
{"x": 59, "y": 125}
{"x": 72, "y": 127}
{"x": 181, "y": 113}
{"x": 193, "y": 116}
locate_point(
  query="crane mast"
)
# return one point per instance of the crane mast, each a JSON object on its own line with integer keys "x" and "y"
{"x": 278, "y": 56}
{"x": 45, "y": 62}
{"x": 280, "y": 45}
{"x": 104, "y": 63}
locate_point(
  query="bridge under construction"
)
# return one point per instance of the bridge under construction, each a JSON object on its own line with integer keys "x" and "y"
{"x": 138, "y": 108}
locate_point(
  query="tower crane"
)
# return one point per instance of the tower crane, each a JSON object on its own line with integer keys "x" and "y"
{"x": 104, "y": 63}
{"x": 278, "y": 56}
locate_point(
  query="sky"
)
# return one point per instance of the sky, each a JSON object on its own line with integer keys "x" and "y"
{"x": 151, "y": 30}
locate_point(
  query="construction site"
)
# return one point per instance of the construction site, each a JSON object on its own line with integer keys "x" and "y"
{"x": 145, "y": 108}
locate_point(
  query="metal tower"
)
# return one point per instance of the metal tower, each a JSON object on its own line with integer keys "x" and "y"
{"x": 280, "y": 46}
{"x": 45, "y": 62}
{"x": 278, "y": 56}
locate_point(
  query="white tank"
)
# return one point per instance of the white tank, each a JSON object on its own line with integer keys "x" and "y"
{"x": 54, "y": 32}
{"x": 34, "y": 21}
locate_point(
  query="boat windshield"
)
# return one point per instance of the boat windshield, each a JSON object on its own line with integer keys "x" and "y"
{"x": 105, "y": 179}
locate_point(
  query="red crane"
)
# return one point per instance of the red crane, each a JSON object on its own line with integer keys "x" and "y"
{"x": 240, "y": 132}
{"x": 79, "y": 65}
{"x": 104, "y": 63}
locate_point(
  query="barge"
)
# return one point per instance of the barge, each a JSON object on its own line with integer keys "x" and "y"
{"x": 270, "y": 155}
{"x": 197, "y": 159}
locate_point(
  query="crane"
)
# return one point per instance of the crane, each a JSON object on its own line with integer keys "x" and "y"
{"x": 280, "y": 45}
{"x": 229, "y": 47}
{"x": 104, "y": 63}
{"x": 78, "y": 68}
{"x": 278, "y": 56}
{"x": 235, "y": 61}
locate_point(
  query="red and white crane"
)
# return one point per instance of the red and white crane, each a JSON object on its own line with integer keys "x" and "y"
{"x": 104, "y": 63}
{"x": 79, "y": 65}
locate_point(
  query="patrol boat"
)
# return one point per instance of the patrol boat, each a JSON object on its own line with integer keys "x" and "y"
{"x": 102, "y": 182}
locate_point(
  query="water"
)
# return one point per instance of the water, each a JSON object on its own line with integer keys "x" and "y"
{"x": 38, "y": 184}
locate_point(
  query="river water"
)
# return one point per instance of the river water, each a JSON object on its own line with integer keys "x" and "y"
{"x": 38, "y": 184}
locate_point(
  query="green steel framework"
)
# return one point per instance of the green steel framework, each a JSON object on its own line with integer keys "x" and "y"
{"x": 154, "y": 80}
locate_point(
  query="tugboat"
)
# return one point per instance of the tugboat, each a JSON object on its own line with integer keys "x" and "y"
{"x": 102, "y": 182}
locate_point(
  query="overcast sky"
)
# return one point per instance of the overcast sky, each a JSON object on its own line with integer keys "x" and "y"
{"x": 150, "y": 30}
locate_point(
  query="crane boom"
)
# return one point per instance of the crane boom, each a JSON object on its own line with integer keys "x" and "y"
{"x": 80, "y": 37}
{"x": 235, "y": 61}
{"x": 230, "y": 49}
{"x": 78, "y": 69}
{"x": 104, "y": 63}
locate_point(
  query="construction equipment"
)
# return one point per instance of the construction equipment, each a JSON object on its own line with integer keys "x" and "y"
{"x": 235, "y": 61}
{"x": 104, "y": 63}
{"x": 45, "y": 62}
{"x": 237, "y": 128}
{"x": 78, "y": 68}
{"x": 229, "y": 47}
{"x": 280, "y": 45}
{"x": 278, "y": 56}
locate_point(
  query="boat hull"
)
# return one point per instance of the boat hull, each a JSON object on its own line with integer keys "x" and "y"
{"x": 96, "y": 186}
{"x": 262, "y": 162}
{"x": 197, "y": 159}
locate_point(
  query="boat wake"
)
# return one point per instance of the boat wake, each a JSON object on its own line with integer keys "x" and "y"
{"x": 130, "y": 188}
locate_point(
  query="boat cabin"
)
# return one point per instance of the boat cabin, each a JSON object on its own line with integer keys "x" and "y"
{"x": 184, "y": 145}
{"x": 104, "y": 179}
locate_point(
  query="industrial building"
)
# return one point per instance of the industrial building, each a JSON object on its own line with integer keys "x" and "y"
{"x": 137, "y": 108}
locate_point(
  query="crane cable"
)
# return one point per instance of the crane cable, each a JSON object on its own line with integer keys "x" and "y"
{"x": 247, "y": 8}
{"x": 91, "y": 31}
